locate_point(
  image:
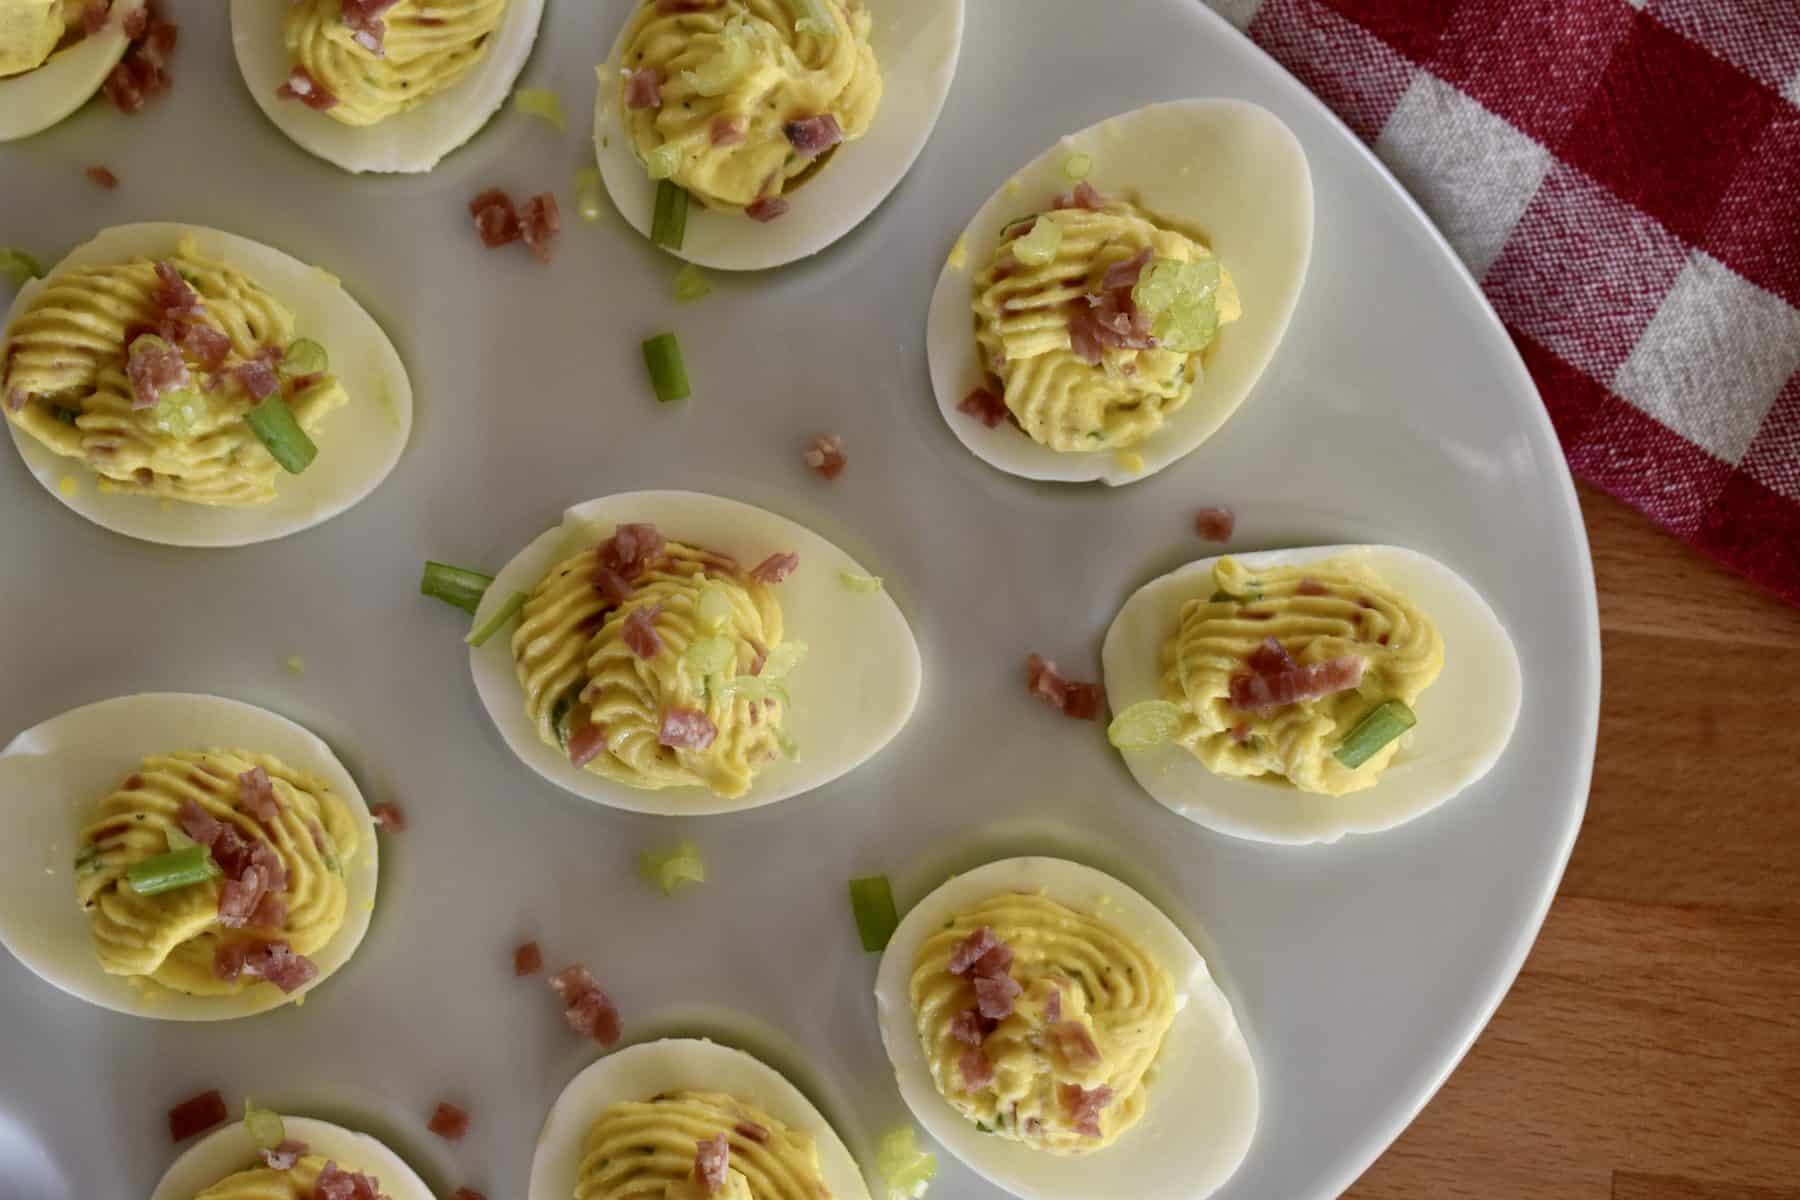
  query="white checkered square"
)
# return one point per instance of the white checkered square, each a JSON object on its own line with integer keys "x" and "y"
{"x": 1238, "y": 12}
{"x": 1793, "y": 90}
{"x": 1471, "y": 171}
{"x": 1713, "y": 358}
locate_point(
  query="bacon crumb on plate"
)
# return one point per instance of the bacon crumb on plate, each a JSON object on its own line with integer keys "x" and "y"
{"x": 1081, "y": 701}
{"x": 389, "y": 817}
{"x": 1215, "y": 524}
{"x": 101, "y": 177}
{"x": 767, "y": 208}
{"x": 495, "y": 218}
{"x": 196, "y": 1114}
{"x": 465, "y": 1193}
{"x": 586, "y": 1006}
{"x": 824, "y": 456}
{"x": 528, "y": 959}
{"x": 985, "y": 405}
{"x": 776, "y": 567}
{"x": 448, "y": 1122}
{"x": 539, "y": 223}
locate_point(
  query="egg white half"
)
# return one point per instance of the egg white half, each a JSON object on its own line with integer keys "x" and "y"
{"x": 358, "y": 444}
{"x": 1226, "y": 169}
{"x": 228, "y": 1150}
{"x": 39, "y": 98}
{"x": 408, "y": 142}
{"x": 916, "y": 44}
{"x": 1203, "y": 1099}
{"x": 639, "y": 1072}
{"x": 52, "y": 779}
{"x": 852, "y": 693}
{"x": 1466, "y": 716}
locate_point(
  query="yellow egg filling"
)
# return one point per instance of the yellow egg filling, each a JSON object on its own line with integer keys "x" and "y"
{"x": 1090, "y": 1017}
{"x": 732, "y": 76}
{"x": 298, "y": 1182}
{"x": 171, "y": 938}
{"x": 645, "y": 1151}
{"x": 64, "y": 381}
{"x": 427, "y": 46}
{"x": 1317, "y": 612}
{"x": 33, "y": 30}
{"x": 1039, "y": 281}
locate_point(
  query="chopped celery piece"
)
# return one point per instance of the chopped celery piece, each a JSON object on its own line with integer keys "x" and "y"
{"x": 1188, "y": 329}
{"x": 713, "y": 608}
{"x": 668, "y": 224}
{"x": 273, "y": 423}
{"x": 668, "y": 373}
{"x": 1041, "y": 244}
{"x": 663, "y": 162}
{"x": 708, "y": 656}
{"x": 541, "y": 102}
{"x": 1181, "y": 298}
{"x": 18, "y": 267}
{"x": 754, "y": 688}
{"x": 814, "y": 17}
{"x": 1077, "y": 166}
{"x": 790, "y": 749}
{"x": 295, "y": 664}
{"x": 906, "y": 1169}
{"x": 690, "y": 284}
{"x": 872, "y": 903}
{"x": 453, "y": 585}
{"x": 178, "y": 839}
{"x": 727, "y": 65}
{"x": 176, "y": 869}
{"x": 783, "y": 659}
{"x": 587, "y": 193}
{"x": 1379, "y": 726}
{"x": 502, "y": 617}
{"x": 303, "y": 357}
{"x": 177, "y": 411}
{"x": 265, "y": 1127}
{"x": 1145, "y": 724}
{"x": 669, "y": 871}
{"x": 860, "y": 583}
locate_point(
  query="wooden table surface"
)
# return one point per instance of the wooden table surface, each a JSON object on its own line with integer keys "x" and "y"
{"x": 1650, "y": 1049}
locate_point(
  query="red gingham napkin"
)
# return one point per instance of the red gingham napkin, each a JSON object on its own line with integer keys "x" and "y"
{"x": 1623, "y": 177}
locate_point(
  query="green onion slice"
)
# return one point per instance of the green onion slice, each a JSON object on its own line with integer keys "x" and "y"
{"x": 177, "y": 411}
{"x": 494, "y": 624}
{"x": 453, "y": 585}
{"x": 812, "y": 16}
{"x": 265, "y": 1127}
{"x": 872, "y": 903}
{"x": 1041, "y": 244}
{"x": 708, "y": 656}
{"x": 303, "y": 357}
{"x": 1379, "y": 726}
{"x": 669, "y": 871}
{"x": 790, "y": 749}
{"x": 273, "y": 423}
{"x": 663, "y": 162}
{"x": 179, "y": 840}
{"x": 907, "y": 1169}
{"x": 668, "y": 222}
{"x": 1077, "y": 165}
{"x": 1144, "y": 725}
{"x": 668, "y": 372}
{"x": 176, "y": 869}
{"x": 782, "y": 660}
{"x": 587, "y": 193}
{"x": 541, "y": 102}
{"x": 1181, "y": 298}
{"x": 18, "y": 267}
{"x": 713, "y": 608}
{"x": 715, "y": 76}
{"x": 690, "y": 284}
{"x": 860, "y": 583}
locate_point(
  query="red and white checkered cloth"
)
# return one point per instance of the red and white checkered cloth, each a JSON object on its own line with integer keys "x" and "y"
{"x": 1623, "y": 177}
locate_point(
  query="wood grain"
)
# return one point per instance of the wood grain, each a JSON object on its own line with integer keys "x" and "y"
{"x": 1650, "y": 1049}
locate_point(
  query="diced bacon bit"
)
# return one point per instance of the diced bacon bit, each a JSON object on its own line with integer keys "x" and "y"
{"x": 93, "y": 17}
{"x": 1125, "y": 274}
{"x": 197, "y": 823}
{"x": 1078, "y": 700}
{"x": 466, "y": 1193}
{"x": 1053, "y": 1006}
{"x": 686, "y": 729}
{"x": 985, "y": 405}
{"x": 767, "y": 208}
{"x": 1084, "y": 336}
{"x": 275, "y": 962}
{"x": 239, "y": 897}
{"x": 981, "y": 953}
{"x": 643, "y": 89}
{"x": 712, "y": 1158}
{"x": 271, "y": 912}
{"x": 977, "y": 1071}
{"x": 1311, "y": 587}
{"x": 363, "y": 18}
{"x": 587, "y": 1008}
{"x": 639, "y": 631}
{"x": 586, "y": 743}
{"x": 728, "y": 130}
{"x": 1084, "y": 1105}
{"x": 495, "y": 218}
{"x": 1118, "y": 321}
{"x": 1215, "y": 524}
{"x": 776, "y": 567}
{"x": 994, "y": 996}
{"x": 969, "y": 1027}
{"x": 153, "y": 371}
{"x": 824, "y": 456}
{"x": 631, "y": 548}
{"x": 173, "y": 296}
{"x": 1075, "y": 1044}
{"x": 812, "y": 136}
{"x": 303, "y": 87}
{"x": 334, "y": 1183}
{"x": 140, "y": 73}
{"x": 528, "y": 959}
{"x": 137, "y": 22}
{"x": 539, "y": 224}
{"x": 196, "y": 1114}
{"x": 256, "y": 794}
{"x": 102, "y": 177}
{"x": 1275, "y": 679}
{"x": 1240, "y": 733}
{"x": 611, "y": 585}
{"x": 750, "y": 1131}
{"x": 228, "y": 959}
{"x": 448, "y": 1122}
{"x": 282, "y": 1157}
{"x": 206, "y": 345}
{"x": 389, "y": 817}
{"x": 1085, "y": 196}
{"x": 257, "y": 378}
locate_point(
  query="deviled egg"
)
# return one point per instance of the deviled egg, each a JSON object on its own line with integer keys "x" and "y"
{"x": 269, "y": 1156}
{"x": 681, "y": 653}
{"x": 55, "y": 54}
{"x": 1113, "y": 303}
{"x": 382, "y": 85}
{"x": 1058, "y": 1033}
{"x": 168, "y": 362}
{"x": 183, "y": 857}
{"x": 685, "y": 1119}
{"x": 744, "y": 134}
{"x": 1275, "y": 696}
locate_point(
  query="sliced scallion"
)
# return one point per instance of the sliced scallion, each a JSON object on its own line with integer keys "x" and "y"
{"x": 1145, "y": 724}
{"x": 690, "y": 284}
{"x": 860, "y": 583}
{"x": 274, "y": 425}
{"x": 166, "y": 872}
{"x": 303, "y": 357}
{"x": 713, "y": 607}
{"x": 494, "y": 624}
{"x": 669, "y": 871}
{"x": 668, "y": 223}
{"x": 872, "y": 903}
{"x": 587, "y": 193}
{"x": 708, "y": 656}
{"x": 179, "y": 840}
{"x": 18, "y": 267}
{"x": 1379, "y": 726}
{"x": 1077, "y": 165}
{"x": 541, "y": 102}
{"x": 814, "y": 16}
{"x": 453, "y": 585}
{"x": 265, "y": 1127}
{"x": 783, "y": 659}
{"x": 668, "y": 372}
{"x": 1039, "y": 246}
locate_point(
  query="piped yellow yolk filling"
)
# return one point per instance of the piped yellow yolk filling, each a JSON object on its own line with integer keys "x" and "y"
{"x": 646, "y": 1150}
{"x": 427, "y": 46}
